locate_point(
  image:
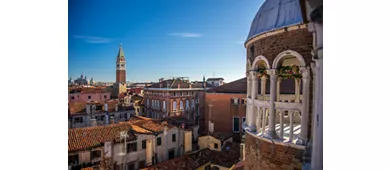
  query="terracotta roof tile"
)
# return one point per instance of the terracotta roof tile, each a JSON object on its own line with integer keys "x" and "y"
{"x": 186, "y": 162}
{"x": 83, "y": 138}
{"x": 287, "y": 86}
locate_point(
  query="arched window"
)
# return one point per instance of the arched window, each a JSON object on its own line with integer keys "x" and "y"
{"x": 187, "y": 104}
{"x": 192, "y": 103}
{"x": 158, "y": 103}
{"x": 164, "y": 105}
{"x": 174, "y": 106}
{"x": 147, "y": 102}
{"x": 181, "y": 105}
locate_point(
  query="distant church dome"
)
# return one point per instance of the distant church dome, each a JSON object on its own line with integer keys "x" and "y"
{"x": 275, "y": 14}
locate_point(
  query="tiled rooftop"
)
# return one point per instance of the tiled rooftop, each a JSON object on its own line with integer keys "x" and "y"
{"x": 229, "y": 156}
{"x": 222, "y": 136}
{"x": 174, "y": 84}
{"x": 287, "y": 86}
{"x": 83, "y": 138}
{"x": 79, "y": 107}
{"x": 147, "y": 125}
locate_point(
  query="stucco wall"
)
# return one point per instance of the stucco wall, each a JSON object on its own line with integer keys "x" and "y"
{"x": 208, "y": 142}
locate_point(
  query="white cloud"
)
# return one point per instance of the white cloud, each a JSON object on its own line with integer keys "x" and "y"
{"x": 186, "y": 35}
{"x": 94, "y": 40}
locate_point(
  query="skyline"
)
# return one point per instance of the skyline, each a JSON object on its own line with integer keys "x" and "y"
{"x": 159, "y": 38}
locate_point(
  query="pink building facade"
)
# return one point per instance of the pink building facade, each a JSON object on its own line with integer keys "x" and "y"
{"x": 86, "y": 97}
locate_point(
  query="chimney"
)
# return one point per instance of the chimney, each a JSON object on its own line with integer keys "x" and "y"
{"x": 107, "y": 119}
{"x": 161, "y": 80}
{"x": 148, "y": 152}
{"x": 190, "y": 86}
{"x": 187, "y": 141}
{"x": 88, "y": 108}
{"x": 106, "y": 107}
{"x": 93, "y": 108}
{"x": 93, "y": 122}
{"x": 112, "y": 120}
{"x": 178, "y": 85}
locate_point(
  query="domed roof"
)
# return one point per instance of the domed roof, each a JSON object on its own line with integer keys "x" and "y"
{"x": 275, "y": 14}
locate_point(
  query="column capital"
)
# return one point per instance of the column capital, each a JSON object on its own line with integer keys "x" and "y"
{"x": 271, "y": 72}
{"x": 305, "y": 72}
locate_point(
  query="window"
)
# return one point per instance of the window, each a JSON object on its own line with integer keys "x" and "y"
{"x": 131, "y": 147}
{"x": 99, "y": 118}
{"x": 72, "y": 97}
{"x": 78, "y": 120}
{"x": 122, "y": 65}
{"x": 130, "y": 166}
{"x": 89, "y": 97}
{"x": 73, "y": 159}
{"x": 173, "y": 137}
{"x": 105, "y": 96}
{"x": 192, "y": 103}
{"x": 171, "y": 154}
{"x": 174, "y": 106}
{"x": 141, "y": 164}
{"x": 117, "y": 65}
{"x": 164, "y": 106}
{"x": 158, "y": 103}
{"x": 187, "y": 104}
{"x": 147, "y": 102}
{"x": 236, "y": 124}
{"x": 158, "y": 141}
{"x": 96, "y": 154}
{"x": 207, "y": 167}
{"x": 242, "y": 101}
{"x": 144, "y": 144}
{"x": 215, "y": 145}
{"x": 181, "y": 105}
{"x": 234, "y": 100}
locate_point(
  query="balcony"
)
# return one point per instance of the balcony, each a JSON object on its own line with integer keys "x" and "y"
{"x": 288, "y": 118}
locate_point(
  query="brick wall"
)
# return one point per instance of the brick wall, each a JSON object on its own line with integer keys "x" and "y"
{"x": 265, "y": 155}
{"x": 121, "y": 76}
{"x": 300, "y": 40}
{"x": 223, "y": 110}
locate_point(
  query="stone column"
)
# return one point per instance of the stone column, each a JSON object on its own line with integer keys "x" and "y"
{"x": 271, "y": 133}
{"x": 297, "y": 90}
{"x": 263, "y": 86}
{"x": 278, "y": 89}
{"x": 248, "y": 85}
{"x": 254, "y": 90}
{"x": 303, "y": 138}
{"x": 255, "y": 85}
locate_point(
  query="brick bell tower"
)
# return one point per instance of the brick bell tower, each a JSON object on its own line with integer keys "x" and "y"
{"x": 120, "y": 67}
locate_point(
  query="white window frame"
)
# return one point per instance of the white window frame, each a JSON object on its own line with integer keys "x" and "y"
{"x": 174, "y": 105}
{"x": 238, "y": 124}
{"x": 181, "y": 103}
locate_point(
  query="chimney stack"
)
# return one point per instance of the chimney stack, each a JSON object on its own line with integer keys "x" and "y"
{"x": 190, "y": 86}
{"x": 178, "y": 85}
{"x": 93, "y": 122}
{"x": 112, "y": 120}
{"x": 187, "y": 141}
{"x": 88, "y": 108}
{"x": 106, "y": 107}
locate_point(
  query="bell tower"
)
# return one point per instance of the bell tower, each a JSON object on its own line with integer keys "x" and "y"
{"x": 120, "y": 66}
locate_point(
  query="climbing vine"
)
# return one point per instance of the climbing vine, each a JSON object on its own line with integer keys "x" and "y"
{"x": 286, "y": 72}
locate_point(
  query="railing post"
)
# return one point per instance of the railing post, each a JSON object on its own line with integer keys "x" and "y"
{"x": 291, "y": 114}
{"x": 258, "y": 118}
{"x": 281, "y": 124}
{"x": 264, "y": 121}
{"x": 263, "y": 86}
{"x": 252, "y": 110}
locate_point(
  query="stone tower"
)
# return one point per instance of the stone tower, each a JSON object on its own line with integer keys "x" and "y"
{"x": 120, "y": 67}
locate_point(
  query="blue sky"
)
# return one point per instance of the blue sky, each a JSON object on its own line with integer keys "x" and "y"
{"x": 161, "y": 38}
